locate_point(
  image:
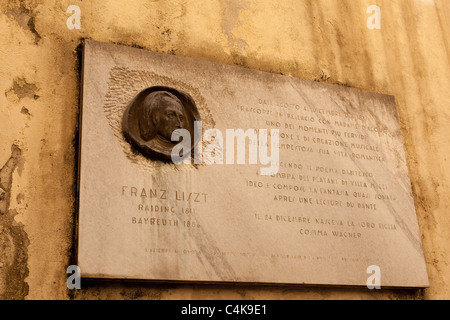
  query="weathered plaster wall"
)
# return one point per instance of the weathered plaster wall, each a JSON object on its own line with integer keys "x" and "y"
{"x": 323, "y": 40}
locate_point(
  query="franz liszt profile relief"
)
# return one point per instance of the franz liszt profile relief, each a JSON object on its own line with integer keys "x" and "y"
{"x": 152, "y": 117}
{"x": 161, "y": 115}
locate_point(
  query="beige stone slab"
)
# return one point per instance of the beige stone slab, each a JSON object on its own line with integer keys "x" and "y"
{"x": 340, "y": 202}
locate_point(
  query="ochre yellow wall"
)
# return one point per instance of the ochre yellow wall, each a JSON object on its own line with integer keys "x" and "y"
{"x": 323, "y": 40}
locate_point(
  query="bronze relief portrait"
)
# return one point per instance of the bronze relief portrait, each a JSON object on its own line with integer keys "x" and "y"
{"x": 153, "y": 115}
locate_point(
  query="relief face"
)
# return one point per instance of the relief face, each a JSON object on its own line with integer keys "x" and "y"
{"x": 152, "y": 117}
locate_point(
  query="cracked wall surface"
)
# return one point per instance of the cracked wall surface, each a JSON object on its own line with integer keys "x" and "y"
{"x": 321, "y": 40}
{"x": 13, "y": 238}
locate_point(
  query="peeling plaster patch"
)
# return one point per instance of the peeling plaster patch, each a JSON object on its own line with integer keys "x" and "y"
{"x": 133, "y": 294}
{"x": 230, "y": 21}
{"x": 24, "y": 15}
{"x": 20, "y": 197}
{"x": 25, "y": 111}
{"x": 13, "y": 238}
{"x": 21, "y": 89}
{"x": 238, "y": 59}
{"x": 119, "y": 290}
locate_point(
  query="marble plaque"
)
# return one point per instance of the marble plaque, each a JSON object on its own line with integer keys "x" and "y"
{"x": 337, "y": 210}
